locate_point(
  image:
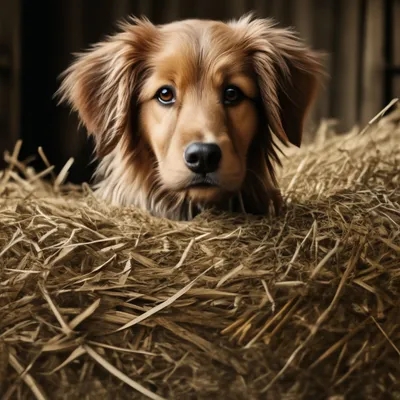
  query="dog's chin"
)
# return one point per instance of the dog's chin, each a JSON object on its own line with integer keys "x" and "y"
{"x": 204, "y": 189}
{"x": 206, "y": 193}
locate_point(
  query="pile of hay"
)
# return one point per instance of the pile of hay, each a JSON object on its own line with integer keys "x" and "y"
{"x": 106, "y": 302}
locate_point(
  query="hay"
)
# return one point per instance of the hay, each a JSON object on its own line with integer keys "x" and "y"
{"x": 105, "y": 302}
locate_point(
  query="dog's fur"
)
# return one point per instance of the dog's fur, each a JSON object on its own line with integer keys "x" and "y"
{"x": 140, "y": 142}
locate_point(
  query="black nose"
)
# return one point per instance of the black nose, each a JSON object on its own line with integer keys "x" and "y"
{"x": 202, "y": 158}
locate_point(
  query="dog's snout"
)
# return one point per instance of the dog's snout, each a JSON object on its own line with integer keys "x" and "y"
{"x": 203, "y": 158}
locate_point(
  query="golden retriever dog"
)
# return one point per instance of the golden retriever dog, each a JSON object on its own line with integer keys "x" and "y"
{"x": 189, "y": 115}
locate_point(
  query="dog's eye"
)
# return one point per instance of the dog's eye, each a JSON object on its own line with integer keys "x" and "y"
{"x": 166, "y": 95}
{"x": 232, "y": 95}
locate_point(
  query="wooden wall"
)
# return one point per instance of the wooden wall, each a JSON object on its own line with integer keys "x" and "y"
{"x": 396, "y": 46}
{"x": 9, "y": 73}
{"x": 350, "y": 31}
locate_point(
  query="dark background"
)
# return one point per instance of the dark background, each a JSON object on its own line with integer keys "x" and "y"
{"x": 362, "y": 38}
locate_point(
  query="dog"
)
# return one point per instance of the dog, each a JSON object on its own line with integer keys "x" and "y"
{"x": 190, "y": 115}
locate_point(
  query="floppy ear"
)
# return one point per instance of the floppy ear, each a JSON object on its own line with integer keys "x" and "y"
{"x": 288, "y": 74}
{"x": 296, "y": 93}
{"x": 101, "y": 82}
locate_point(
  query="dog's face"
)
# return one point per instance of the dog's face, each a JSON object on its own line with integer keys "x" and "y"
{"x": 198, "y": 110}
{"x": 191, "y": 103}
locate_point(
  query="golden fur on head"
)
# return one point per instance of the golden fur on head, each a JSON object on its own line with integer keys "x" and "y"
{"x": 148, "y": 92}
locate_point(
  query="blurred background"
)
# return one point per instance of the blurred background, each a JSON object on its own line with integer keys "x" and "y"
{"x": 362, "y": 38}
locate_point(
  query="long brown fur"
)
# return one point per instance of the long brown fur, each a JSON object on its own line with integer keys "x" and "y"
{"x": 140, "y": 145}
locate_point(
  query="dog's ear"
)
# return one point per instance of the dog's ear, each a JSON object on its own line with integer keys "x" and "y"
{"x": 288, "y": 75}
{"x": 100, "y": 84}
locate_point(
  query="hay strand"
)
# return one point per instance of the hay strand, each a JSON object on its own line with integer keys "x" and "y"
{"x": 121, "y": 376}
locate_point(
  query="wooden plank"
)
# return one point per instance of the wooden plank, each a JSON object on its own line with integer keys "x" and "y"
{"x": 211, "y": 9}
{"x": 69, "y": 32}
{"x": 373, "y": 61}
{"x": 396, "y": 46}
{"x": 263, "y": 8}
{"x": 5, "y": 59}
{"x": 98, "y": 21}
{"x": 155, "y": 10}
{"x": 281, "y": 11}
{"x": 237, "y": 9}
{"x": 10, "y": 25}
{"x": 303, "y": 22}
{"x": 345, "y": 68}
{"x": 143, "y": 8}
{"x": 121, "y": 9}
{"x": 172, "y": 12}
{"x": 69, "y": 142}
{"x": 303, "y": 18}
{"x": 322, "y": 37}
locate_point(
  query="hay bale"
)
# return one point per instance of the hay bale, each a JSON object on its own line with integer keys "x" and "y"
{"x": 105, "y": 302}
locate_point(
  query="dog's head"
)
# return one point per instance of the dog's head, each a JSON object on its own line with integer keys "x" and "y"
{"x": 191, "y": 104}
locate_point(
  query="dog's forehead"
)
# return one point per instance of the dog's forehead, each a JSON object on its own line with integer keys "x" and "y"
{"x": 194, "y": 38}
{"x": 194, "y": 28}
{"x": 188, "y": 47}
